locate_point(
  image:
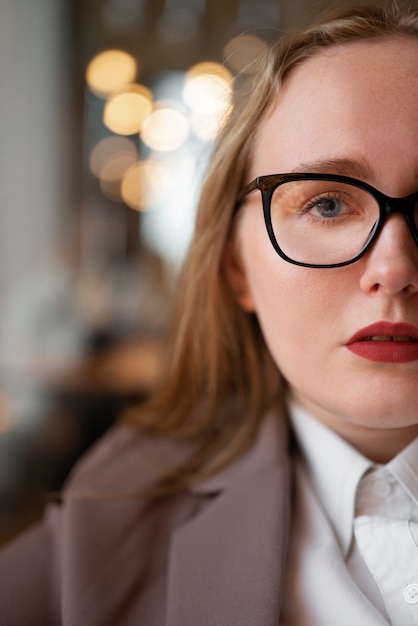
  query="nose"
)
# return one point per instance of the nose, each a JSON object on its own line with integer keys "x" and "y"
{"x": 391, "y": 266}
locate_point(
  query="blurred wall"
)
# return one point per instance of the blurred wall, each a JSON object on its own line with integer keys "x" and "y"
{"x": 33, "y": 107}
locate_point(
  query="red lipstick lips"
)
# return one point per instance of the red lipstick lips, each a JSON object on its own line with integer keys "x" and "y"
{"x": 386, "y": 342}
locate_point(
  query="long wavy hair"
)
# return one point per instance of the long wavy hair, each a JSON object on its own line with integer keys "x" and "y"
{"x": 220, "y": 379}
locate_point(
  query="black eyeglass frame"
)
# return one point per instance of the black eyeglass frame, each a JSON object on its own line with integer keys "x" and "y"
{"x": 387, "y": 206}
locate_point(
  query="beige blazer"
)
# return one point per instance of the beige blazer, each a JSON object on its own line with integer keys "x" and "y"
{"x": 213, "y": 556}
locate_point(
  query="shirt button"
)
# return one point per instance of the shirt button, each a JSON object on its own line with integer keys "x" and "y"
{"x": 411, "y": 593}
{"x": 381, "y": 489}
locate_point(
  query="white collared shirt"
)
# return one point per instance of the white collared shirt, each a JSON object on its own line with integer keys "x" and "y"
{"x": 328, "y": 582}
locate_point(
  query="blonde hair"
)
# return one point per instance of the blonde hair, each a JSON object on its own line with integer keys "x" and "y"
{"x": 220, "y": 379}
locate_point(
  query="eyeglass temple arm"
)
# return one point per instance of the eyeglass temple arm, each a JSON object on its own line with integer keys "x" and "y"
{"x": 248, "y": 189}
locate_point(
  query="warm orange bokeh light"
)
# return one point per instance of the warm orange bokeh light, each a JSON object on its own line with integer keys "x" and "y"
{"x": 166, "y": 129}
{"x": 110, "y": 71}
{"x": 126, "y": 112}
{"x": 143, "y": 183}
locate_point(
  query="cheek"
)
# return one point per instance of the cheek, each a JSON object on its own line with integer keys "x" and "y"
{"x": 287, "y": 311}
{"x": 292, "y": 303}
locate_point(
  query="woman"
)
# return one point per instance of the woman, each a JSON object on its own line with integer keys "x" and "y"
{"x": 298, "y": 303}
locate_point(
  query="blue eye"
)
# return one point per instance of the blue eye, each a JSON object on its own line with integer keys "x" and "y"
{"x": 325, "y": 207}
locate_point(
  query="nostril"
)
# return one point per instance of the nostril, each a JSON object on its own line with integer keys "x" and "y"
{"x": 391, "y": 264}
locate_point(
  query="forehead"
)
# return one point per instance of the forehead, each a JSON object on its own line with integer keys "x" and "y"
{"x": 342, "y": 101}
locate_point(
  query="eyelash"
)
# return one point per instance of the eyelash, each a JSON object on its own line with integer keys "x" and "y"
{"x": 333, "y": 196}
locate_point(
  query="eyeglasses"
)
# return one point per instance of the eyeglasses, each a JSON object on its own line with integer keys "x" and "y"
{"x": 326, "y": 220}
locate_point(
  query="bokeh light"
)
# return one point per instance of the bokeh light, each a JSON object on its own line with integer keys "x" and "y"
{"x": 110, "y": 71}
{"x": 208, "y": 88}
{"x": 144, "y": 183}
{"x": 112, "y": 173}
{"x": 206, "y": 126}
{"x": 166, "y": 129}
{"x": 125, "y": 112}
{"x": 109, "y": 148}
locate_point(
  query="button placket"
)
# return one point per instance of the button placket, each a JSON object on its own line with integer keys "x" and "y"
{"x": 410, "y": 593}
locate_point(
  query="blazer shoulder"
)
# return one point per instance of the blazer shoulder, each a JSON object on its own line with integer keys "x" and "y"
{"x": 125, "y": 460}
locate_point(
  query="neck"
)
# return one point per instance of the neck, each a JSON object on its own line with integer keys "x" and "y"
{"x": 378, "y": 443}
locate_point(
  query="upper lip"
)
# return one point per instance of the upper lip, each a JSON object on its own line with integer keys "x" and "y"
{"x": 385, "y": 329}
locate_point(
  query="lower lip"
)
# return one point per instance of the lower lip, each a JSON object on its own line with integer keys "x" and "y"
{"x": 386, "y": 351}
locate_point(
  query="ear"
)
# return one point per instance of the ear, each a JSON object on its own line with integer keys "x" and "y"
{"x": 236, "y": 276}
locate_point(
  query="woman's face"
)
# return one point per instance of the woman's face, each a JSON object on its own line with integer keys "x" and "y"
{"x": 350, "y": 110}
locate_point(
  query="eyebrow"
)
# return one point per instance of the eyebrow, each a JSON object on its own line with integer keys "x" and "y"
{"x": 357, "y": 168}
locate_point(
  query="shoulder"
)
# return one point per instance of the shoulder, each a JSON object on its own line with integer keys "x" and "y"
{"x": 104, "y": 526}
{"x": 103, "y": 521}
{"x": 126, "y": 460}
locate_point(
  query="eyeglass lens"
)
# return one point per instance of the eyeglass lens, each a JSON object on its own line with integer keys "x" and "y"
{"x": 322, "y": 222}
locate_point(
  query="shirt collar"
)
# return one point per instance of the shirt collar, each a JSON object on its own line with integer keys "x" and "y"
{"x": 335, "y": 469}
{"x": 404, "y": 467}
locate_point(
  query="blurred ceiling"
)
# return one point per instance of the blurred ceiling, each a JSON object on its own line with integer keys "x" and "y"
{"x": 174, "y": 34}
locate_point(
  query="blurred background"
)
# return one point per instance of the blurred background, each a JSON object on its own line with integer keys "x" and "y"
{"x": 108, "y": 113}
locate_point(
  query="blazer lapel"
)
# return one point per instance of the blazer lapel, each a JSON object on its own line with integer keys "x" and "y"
{"x": 226, "y": 564}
